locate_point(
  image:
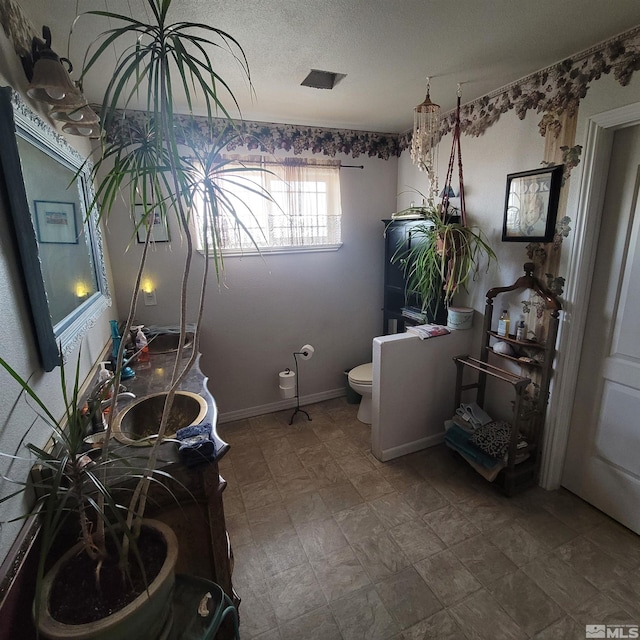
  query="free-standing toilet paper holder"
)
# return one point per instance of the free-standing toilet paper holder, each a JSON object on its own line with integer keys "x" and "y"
{"x": 305, "y": 353}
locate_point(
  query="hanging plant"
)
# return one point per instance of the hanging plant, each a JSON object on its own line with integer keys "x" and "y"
{"x": 446, "y": 252}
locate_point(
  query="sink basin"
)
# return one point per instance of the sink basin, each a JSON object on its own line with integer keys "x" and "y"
{"x": 138, "y": 423}
{"x": 168, "y": 342}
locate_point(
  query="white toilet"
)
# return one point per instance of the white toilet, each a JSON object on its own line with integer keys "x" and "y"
{"x": 361, "y": 381}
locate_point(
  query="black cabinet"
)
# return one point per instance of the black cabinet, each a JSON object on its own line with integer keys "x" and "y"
{"x": 399, "y": 239}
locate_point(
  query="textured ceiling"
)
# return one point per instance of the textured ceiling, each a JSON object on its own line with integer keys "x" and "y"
{"x": 386, "y": 48}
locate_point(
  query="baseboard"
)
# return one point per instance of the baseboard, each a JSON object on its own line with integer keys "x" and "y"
{"x": 281, "y": 405}
{"x": 411, "y": 447}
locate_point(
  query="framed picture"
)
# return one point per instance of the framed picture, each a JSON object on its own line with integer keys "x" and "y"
{"x": 531, "y": 205}
{"x": 159, "y": 230}
{"x": 56, "y": 222}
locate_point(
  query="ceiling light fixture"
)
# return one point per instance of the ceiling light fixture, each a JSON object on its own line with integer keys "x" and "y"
{"x": 425, "y": 137}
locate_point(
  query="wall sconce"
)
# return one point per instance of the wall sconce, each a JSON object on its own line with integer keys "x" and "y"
{"x": 50, "y": 82}
{"x": 147, "y": 286}
{"x": 148, "y": 292}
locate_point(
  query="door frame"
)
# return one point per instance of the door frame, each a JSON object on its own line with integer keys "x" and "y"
{"x": 593, "y": 182}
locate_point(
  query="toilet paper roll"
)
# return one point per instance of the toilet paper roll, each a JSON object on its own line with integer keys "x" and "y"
{"x": 287, "y": 379}
{"x": 287, "y": 393}
{"x": 306, "y": 352}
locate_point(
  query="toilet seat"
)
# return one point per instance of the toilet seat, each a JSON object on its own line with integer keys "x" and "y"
{"x": 362, "y": 374}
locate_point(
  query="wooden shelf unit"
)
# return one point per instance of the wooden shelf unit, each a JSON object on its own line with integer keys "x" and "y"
{"x": 528, "y": 415}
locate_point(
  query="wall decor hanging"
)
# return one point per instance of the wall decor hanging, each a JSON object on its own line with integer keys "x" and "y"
{"x": 531, "y": 205}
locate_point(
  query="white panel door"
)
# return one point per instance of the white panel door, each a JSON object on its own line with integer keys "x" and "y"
{"x": 603, "y": 455}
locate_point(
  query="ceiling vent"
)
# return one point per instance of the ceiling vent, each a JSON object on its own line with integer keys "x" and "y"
{"x": 322, "y": 79}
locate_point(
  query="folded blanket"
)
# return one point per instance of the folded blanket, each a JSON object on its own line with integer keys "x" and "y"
{"x": 196, "y": 445}
{"x": 424, "y": 331}
{"x": 473, "y": 414}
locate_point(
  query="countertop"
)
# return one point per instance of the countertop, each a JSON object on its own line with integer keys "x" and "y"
{"x": 154, "y": 376}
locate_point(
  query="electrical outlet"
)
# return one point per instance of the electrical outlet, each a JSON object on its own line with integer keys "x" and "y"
{"x": 149, "y": 298}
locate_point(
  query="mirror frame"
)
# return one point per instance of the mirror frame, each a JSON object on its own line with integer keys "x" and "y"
{"x": 17, "y": 119}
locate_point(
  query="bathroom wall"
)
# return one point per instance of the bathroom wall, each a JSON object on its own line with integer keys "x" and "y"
{"x": 509, "y": 146}
{"x": 266, "y": 307}
{"x": 18, "y": 423}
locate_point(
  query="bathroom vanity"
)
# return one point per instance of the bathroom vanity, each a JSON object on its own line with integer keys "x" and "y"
{"x": 193, "y": 508}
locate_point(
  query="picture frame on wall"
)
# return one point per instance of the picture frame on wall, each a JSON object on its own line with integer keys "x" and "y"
{"x": 159, "y": 230}
{"x": 531, "y": 205}
{"x": 56, "y": 222}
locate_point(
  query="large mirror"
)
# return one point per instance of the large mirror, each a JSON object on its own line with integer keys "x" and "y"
{"x": 48, "y": 192}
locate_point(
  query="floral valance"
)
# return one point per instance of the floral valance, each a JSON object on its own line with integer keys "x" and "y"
{"x": 269, "y": 137}
{"x": 551, "y": 91}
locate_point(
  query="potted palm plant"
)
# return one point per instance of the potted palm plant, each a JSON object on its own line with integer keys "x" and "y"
{"x": 159, "y": 165}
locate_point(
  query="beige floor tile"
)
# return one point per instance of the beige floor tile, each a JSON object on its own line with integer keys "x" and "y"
{"x": 392, "y": 510}
{"x": 359, "y": 522}
{"x": 260, "y": 494}
{"x": 354, "y": 464}
{"x": 440, "y": 626}
{"x": 371, "y": 485}
{"x": 574, "y": 512}
{"x": 447, "y": 577}
{"x": 340, "y": 496}
{"x": 601, "y": 609}
{"x": 564, "y": 629}
{"x": 317, "y": 625}
{"x": 617, "y": 541}
{"x": 269, "y": 520}
{"x": 547, "y": 529}
{"x": 321, "y": 537}
{"x": 363, "y": 616}
{"x": 238, "y": 529}
{"x": 525, "y": 602}
{"x": 589, "y": 561}
{"x": 450, "y": 525}
{"x": 560, "y": 581}
{"x": 516, "y": 543}
{"x": 380, "y": 556}
{"x": 400, "y": 475}
{"x": 423, "y": 498}
{"x": 340, "y": 573}
{"x": 416, "y": 540}
{"x": 407, "y": 597}
{"x": 627, "y": 593}
{"x": 302, "y": 439}
{"x": 483, "y": 559}
{"x": 295, "y": 592}
{"x": 251, "y": 471}
{"x": 256, "y": 613}
{"x": 282, "y": 551}
{"x": 482, "y": 618}
{"x": 296, "y": 483}
{"x": 325, "y": 473}
{"x": 306, "y": 507}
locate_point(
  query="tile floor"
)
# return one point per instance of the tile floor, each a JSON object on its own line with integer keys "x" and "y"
{"x": 331, "y": 544}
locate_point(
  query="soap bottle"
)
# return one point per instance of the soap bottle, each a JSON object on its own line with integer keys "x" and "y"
{"x": 141, "y": 346}
{"x": 503, "y": 324}
{"x": 521, "y": 330}
{"x": 115, "y": 338}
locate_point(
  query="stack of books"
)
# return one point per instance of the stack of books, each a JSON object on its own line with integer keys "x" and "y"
{"x": 415, "y": 314}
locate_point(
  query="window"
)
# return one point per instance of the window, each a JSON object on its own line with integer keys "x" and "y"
{"x": 301, "y": 213}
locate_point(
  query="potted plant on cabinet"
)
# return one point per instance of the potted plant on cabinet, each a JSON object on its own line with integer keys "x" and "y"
{"x": 152, "y": 164}
{"x": 444, "y": 254}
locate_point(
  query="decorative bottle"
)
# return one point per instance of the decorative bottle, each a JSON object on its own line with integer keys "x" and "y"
{"x": 503, "y": 324}
{"x": 521, "y": 330}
